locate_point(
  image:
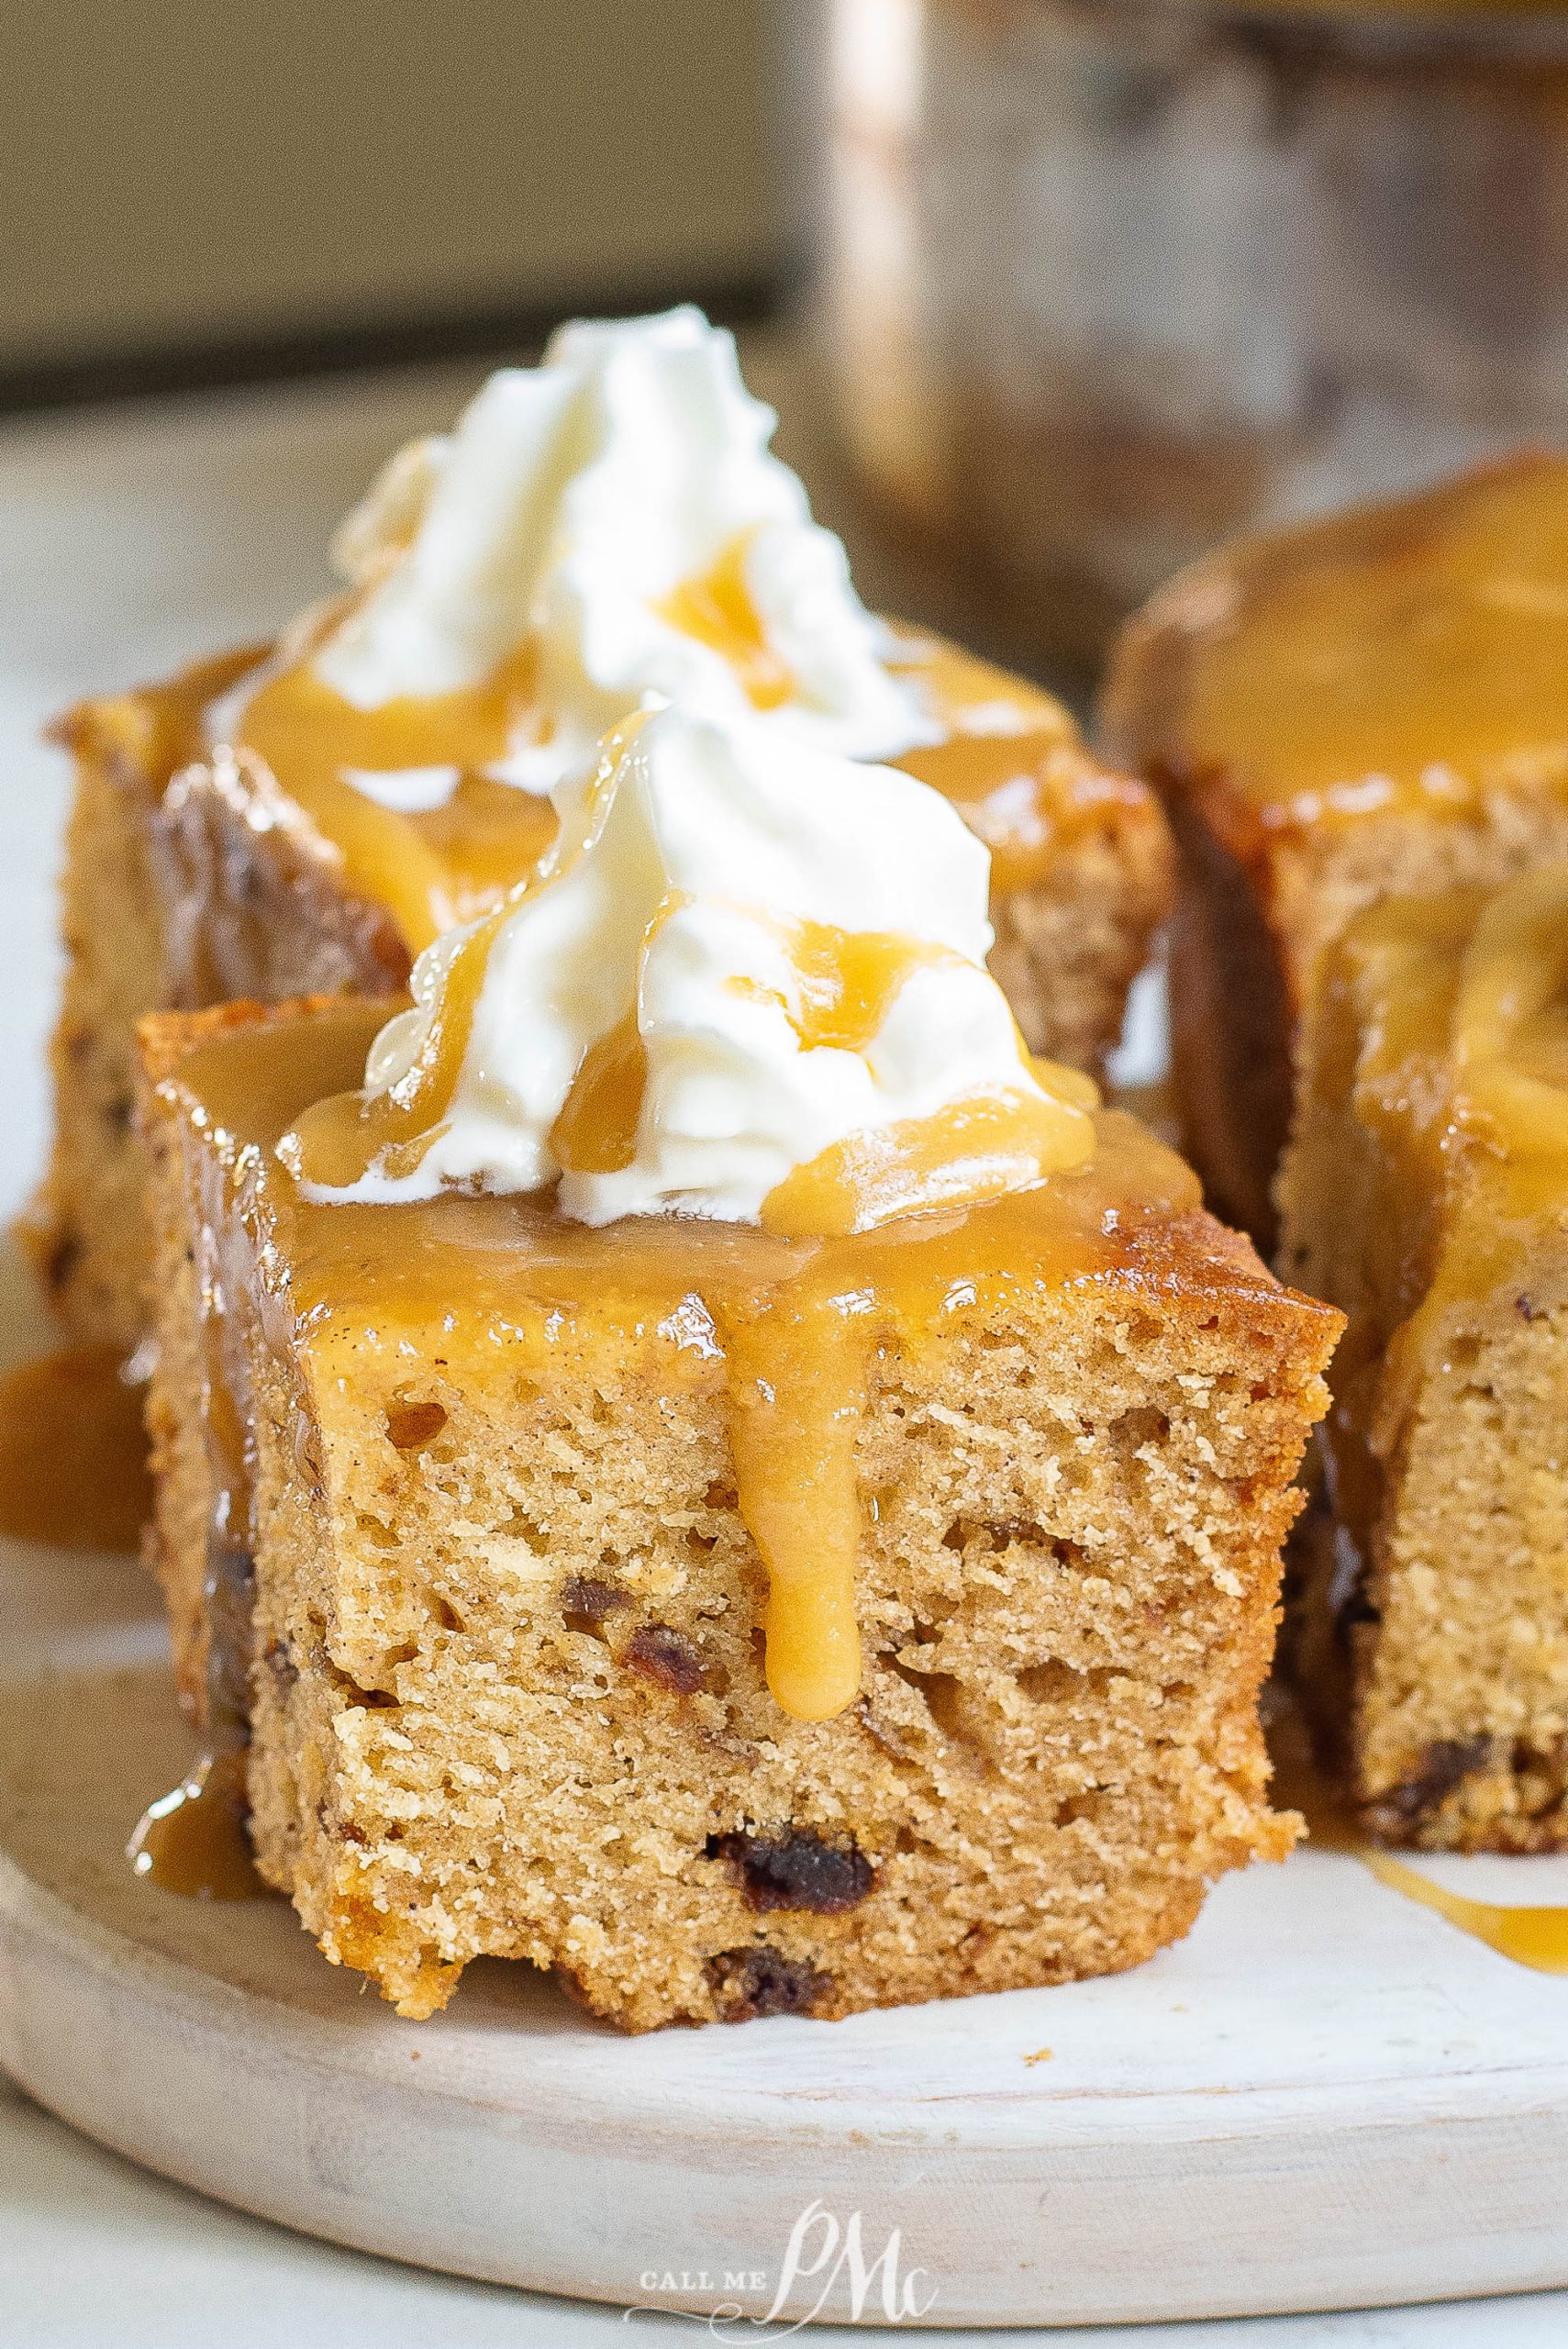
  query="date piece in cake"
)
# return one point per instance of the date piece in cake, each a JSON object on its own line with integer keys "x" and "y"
{"x": 1372, "y": 705}
{"x": 1426, "y": 1193}
{"x": 497, "y": 1488}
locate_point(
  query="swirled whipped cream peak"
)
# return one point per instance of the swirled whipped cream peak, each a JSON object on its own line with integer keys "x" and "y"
{"x": 749, "y": 982}
{"x": 599, "y": 532}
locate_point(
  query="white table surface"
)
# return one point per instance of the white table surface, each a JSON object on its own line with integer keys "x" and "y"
{"x": 130, "y": 540}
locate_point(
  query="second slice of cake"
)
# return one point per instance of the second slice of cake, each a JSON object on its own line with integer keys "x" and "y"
{"x": 707, "y": 1472}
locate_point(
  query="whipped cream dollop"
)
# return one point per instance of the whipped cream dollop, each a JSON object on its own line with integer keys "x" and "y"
{"x": 614, "y": 517}
{"x": 742, "y": 959}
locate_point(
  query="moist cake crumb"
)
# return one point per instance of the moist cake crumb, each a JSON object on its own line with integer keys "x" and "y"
{"x": 1066, "y": 1580}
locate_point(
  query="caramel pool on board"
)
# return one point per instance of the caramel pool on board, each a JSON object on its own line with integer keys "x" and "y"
{"x": 194, "y": 1842}
{"x": 72, "y": 1453}
{"x": 1531, "y": 1934}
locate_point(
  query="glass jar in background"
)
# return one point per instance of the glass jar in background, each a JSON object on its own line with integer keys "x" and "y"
{"x": 1108, "y": 280}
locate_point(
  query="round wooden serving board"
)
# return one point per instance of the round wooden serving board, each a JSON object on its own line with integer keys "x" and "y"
{"x": 1325, "y": 2096}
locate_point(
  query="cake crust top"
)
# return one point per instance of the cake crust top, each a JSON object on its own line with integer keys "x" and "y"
{"x": 1398, "y": 657}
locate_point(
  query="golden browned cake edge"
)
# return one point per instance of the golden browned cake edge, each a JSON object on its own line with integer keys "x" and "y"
{"x": 1070, "y": 944}
{"x": 180, "y": 886}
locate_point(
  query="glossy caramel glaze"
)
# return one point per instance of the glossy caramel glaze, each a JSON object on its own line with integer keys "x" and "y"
{"x": 995, "y": 1141}
{"x": 1408, "y": 655}
{"x": 596, "y": 1130}
{"x": 340, "y": 1137}
{"x": 786, "y": 1330}
{"x": 436, "y": 865}
{"x": 72, "y": 1453}
{"x": 193, "y": 1840}
{"x": 718, "y": 609}
{"x": 1532, "y": 1934}
{"x": 1011, "y": 762}
{"x": 979, "y": 1148}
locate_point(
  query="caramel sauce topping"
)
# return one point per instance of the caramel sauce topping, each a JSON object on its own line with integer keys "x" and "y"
{"x": 1011, "y": 761}
{"x": 719, "y": 610}
{"x": 796, "y": 1392}
{"x": 975, "y": 1148}
{"x": 846, "y": 981}
{"x": 339, "y": 1138}
{"x": 435, "y": 866}
{"x": 596, "y": 1130}
{"x": 193, "y": 1840}
{"x": 1409, "y": 655}
{"x": 1532, "y": 1934}
{"x": 788, "y": 1329}
{"x": 72, "y": 1453}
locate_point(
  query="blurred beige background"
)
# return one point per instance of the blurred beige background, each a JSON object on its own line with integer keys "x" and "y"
{"x": 178, "y": 176}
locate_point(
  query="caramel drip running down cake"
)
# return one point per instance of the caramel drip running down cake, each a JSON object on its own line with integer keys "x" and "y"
{"x": 604, "y": 530}
{"x": 1425, "y": 1192}
{"x": 687, "y": 1457}
{"x": 1372, "y": 705}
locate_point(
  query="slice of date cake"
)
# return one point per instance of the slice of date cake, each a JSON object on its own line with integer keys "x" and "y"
{"x": 1369, "y": 704}
{"x": 475, "y": 1467}
{"x": 308, "y": 817}
{"x": 1426, "y": 1193}
{"x": 751, "y": 1492}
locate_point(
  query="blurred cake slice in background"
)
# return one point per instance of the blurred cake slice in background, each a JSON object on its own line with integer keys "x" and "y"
{"x": 1372, "y": 705}
{"x": 1361, "y": 728}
